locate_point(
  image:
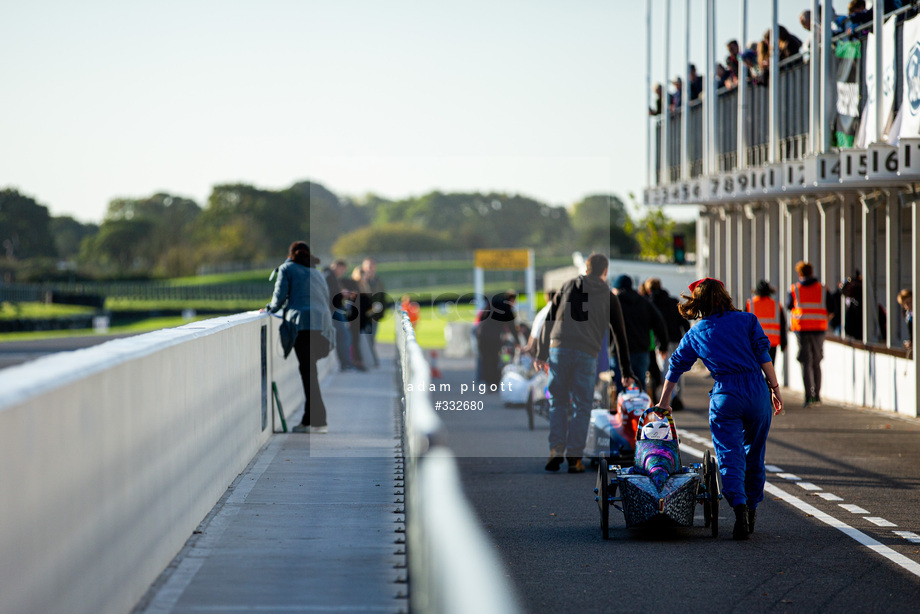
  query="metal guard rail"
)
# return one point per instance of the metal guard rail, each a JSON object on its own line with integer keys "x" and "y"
{"x": 452, "y": 568}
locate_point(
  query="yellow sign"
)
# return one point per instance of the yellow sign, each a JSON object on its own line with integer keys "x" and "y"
{"x": 502, "y": 259}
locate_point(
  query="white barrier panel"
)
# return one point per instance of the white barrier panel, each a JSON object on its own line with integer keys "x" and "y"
{"x": 859, "y": 377}
{"x": 111, "y": 456}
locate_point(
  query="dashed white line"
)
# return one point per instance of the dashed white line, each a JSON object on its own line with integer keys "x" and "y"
{"x": 808, "y": 486}
{"x": 874, "y": 545}
{"x": 773, "y": 469}
{"x": 789, "y": 476}
{"x": 828, "y": 496}
{"x": 909, "y": 536}
{"x": 854, "y": 509}
{"x": 880, "y": 521}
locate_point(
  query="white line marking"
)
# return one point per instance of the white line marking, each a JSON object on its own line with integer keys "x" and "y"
{"x": 808, "y": 486}
{"x": 788, "y": 476}
{"x": 857, "y": 535}
{"x": 909, "y": 536}
{"x": 773, "y": 469}
{"x": 853, "y": 509}
{"x": 691, "y": 451}
{"x": 880, "y": 521}
{"x": 828, "y": 496}
{"x": 899, "y": 559}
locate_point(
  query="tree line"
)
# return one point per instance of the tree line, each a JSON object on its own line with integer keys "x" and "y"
{"x": 166, "y": 235}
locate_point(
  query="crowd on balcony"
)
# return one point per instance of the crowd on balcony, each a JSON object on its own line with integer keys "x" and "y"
{"x": 756, "y": 56}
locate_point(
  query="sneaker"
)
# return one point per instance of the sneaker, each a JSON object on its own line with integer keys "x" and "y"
{"x": 741, "y": 530}
{"x": 321, "y": 430}
{"x": 751, "y": 516}
{"x": 555, "y": 460}
{"x": 575, "y": 465}
{"x": 301, "y": 428}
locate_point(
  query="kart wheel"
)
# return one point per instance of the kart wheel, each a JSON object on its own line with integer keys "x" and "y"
{"x": 603, "y": 498}
{"x": 712, "y": 486}
{"x": 704, "y": 487}
{"x": 530, "y": 409}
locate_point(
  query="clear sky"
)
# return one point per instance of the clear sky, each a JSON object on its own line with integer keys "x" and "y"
{"x": 107, "y": 99}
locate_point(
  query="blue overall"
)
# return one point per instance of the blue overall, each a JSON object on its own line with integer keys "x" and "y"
{"x": 733, "y": 346}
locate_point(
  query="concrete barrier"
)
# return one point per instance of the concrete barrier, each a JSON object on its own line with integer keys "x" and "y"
{"x": 111, "y": 456}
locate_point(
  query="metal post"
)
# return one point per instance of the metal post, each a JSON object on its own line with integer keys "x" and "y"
{"x": 867, "y": 214}
{"x": 814, "y": 91}
{"x": 665, "y": 106}
{"x": 685, "y": 101}
{"x": 650, "y": 122}
{"x": 915, "y": 285}
{"x": 711, "y": 87}
{"x": 878, "y": 16}
{"x": 892, "y": 267}
{"x": 773, "y": 155}
{"x": 742, "y": 82}
{"x": 827, "y": 96}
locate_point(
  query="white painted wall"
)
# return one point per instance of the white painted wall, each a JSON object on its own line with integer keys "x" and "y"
{"x": 859, "y": 377}
{"x": 111, "y": 456}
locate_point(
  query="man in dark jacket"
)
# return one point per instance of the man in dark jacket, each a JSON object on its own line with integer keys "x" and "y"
{"x": 642, "y": 319}
{"x": 582, "y": 313}
{"x": 339, "y": 307}
{"x": 675, "y": 324}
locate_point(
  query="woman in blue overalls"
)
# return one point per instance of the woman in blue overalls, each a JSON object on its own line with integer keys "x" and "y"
{"x": 734, "y": 348}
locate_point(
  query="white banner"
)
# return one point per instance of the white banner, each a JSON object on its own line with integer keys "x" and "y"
{"x": 867, "y": 129}
{"x": 910, "y": 101}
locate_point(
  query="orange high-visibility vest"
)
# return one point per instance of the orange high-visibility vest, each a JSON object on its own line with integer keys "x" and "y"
{"x": 809, "y": 313}
{"x": 767, "y": 312}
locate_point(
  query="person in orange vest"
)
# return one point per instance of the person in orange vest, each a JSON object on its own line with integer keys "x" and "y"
{"x": 411, "y": 308}
{"x": 770, "y": 314}
{"x": 808, "y": 304}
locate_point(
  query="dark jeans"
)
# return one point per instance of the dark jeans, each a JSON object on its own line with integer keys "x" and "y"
{"x": 342, "y": 342}
{"x": 314, "y": 410}
{"x": 571, "y": 388}
{"x": 811, "y": 352}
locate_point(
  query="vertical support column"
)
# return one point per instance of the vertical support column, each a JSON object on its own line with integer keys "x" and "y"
{"x": 761, "y": 239}
{"x": 878, "y": 17}
{"x": 650, "y": 121}
{"x": 665, "y": 107}
{"x": 847, "y": 229}
{"x": 743, "y": 257}
{"x": 828, "y": 96}
{"x": 867, "y": 213}
{"x": 892, "y": 268}
{"x": 685, "y": 101}
{"x": 773, "y": 261}
{"x": 742, "y": 91}
{"x": 915, "y": 286}
{"x": 828, "y": 244}
{"x": 479, "y": 288}
{"x": 774, "y": 153}
{"x": 710, "y": 153}
{"x": 781, "y": 257}
{"x": 730, "y": 248}
{"x": 814, "y": 83}
{"x": 814, "y": 253}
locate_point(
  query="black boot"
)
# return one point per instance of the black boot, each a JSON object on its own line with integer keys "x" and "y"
{"x": 752, "y": 515}
{"x": 741, "y": 530}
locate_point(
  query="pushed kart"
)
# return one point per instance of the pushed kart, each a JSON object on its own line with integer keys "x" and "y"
{"x": 657, "y": 488}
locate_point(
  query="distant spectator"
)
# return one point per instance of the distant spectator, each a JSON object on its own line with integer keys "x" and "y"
{"x": 696, "y": 83}
{"x": 641, "y": 318}
{"x": 675, "y": 98}
{"x": 656, "y": 110}
{"x": 723, "y": 78}
{"x": 495, "y": 327}
{"x": 339, "y": 307}
{"x": 731, "y": 62}
{"x": 676, "y": 324}
{"x": 763, "y": 63}
{"x": 374, "y": 309}
{"x": 906, "y": 301}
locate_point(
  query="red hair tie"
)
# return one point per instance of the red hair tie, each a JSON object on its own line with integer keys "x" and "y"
{"x": 699, "y": 281}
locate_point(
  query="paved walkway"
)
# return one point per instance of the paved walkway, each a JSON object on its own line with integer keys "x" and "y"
{"x": 311, "y": 525}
